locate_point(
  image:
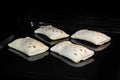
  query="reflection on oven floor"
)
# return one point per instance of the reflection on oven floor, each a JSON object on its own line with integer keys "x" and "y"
{"x": 97, "y": 48}
{"x": 6, "y": 41}
{"x": 29, "y": 58}
{"x": 80, "y": 64}
{"x": 50, "y": 42}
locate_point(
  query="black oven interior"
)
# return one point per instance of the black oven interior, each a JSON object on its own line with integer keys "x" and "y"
{"x": 21, "y": 18}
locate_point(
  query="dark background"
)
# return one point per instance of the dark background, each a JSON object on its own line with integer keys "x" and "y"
{"x": 14, "y": 13}
{"x": 69, "y": 11}
{"x": 9, "y": 9}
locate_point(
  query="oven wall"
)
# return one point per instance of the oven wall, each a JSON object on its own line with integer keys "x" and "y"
{"x": 66, "y": 11}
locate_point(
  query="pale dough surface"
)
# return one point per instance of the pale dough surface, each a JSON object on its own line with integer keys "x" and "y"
{"x": 51, "y": 32}
{"x": 94, "y": 37}
{"x": 28, "y": 46}
{"x": 74, "y": 52}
